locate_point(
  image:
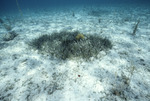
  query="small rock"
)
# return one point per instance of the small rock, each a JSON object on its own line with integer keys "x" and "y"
{"x": 136, "y": 97}
{"x": 142, "y": 60}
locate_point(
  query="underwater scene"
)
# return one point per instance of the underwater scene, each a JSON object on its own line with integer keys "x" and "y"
{"x": 74, "y": 50}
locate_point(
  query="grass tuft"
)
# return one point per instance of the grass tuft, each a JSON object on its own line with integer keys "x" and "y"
{"x": 66, "y": 45}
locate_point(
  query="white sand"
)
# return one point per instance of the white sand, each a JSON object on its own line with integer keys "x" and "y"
{"x": 26, "y": 75}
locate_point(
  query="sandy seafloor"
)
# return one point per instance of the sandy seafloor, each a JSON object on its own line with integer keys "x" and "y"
{"x": 27, "y": 75}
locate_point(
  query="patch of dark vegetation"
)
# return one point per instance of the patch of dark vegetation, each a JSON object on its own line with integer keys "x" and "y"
{"x": 65, "y": 45}
{"x": 3, "y": 45}
{"x": 122, "y": 86}
{"x": 9, "y": 36}
{"x": 6, "y": 25}
{"x": 97, "y": 13}
{"x": 1, "y": 21}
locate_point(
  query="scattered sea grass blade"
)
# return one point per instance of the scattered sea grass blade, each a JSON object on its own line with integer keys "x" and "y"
{"x": 135, "y": 28}
{"x": 19, "y": 8}
{"x": 6, "y": 26}
{"x": 1, "y": 21}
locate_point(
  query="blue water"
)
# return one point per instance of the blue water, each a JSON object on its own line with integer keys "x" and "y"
{"x": 9, "y": 5}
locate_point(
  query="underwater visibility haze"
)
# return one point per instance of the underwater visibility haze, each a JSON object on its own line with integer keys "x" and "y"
{"x": 74, "y": 50}
{"x": 6, "y": 5}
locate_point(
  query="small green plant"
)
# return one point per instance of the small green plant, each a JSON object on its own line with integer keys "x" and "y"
{"x": 79, "y": 36}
